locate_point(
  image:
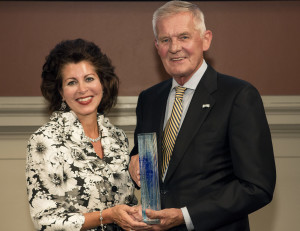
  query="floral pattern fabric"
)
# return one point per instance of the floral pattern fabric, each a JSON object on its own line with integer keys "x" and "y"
{"x": 65, "y": 177}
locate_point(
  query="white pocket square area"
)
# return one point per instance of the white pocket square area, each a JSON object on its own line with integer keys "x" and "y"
{"x": 205, "y": 105}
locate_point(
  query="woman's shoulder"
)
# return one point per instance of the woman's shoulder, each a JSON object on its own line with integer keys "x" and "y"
{"x": 46, "y": 129}
{"x": 56, "y": 125}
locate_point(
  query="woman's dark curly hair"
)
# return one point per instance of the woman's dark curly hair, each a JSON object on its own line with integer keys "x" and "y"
{"x": 75, "y": 51}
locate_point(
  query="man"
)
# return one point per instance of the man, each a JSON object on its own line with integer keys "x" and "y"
{"x": 222, "y": 165}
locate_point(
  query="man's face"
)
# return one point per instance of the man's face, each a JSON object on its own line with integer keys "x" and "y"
{"x": 180, "y": 45}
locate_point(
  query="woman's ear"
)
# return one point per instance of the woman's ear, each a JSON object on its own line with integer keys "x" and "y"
{"x": 61, "y": 94}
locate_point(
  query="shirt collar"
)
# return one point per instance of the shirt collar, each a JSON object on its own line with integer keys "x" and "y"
{"x": 193, "y": 82}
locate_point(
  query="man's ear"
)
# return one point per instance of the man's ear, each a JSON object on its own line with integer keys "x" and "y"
{"x": 156, "y": 43}
{"x": 207, "y": 38}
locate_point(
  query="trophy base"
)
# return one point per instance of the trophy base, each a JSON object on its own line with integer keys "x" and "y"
{"x": 152, "y": 221}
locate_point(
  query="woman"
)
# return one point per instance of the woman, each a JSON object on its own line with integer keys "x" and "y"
{"x": 76, "y": 172}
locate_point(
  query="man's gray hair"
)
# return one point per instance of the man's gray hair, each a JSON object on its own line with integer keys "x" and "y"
{"x": 175, "y": 7}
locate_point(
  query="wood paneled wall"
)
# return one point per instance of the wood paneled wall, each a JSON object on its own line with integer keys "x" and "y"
{"x": 254, "y": 40}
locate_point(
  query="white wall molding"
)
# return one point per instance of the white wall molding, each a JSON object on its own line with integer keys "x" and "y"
{"x": 22, "y": 114}
{"x": 283, "y": 113}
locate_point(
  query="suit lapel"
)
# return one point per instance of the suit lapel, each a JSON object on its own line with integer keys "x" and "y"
{"x": 196, "y": 114}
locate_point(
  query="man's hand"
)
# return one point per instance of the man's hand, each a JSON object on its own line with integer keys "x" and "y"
{"x": 168, "y": 218}
{"x": 134, "y": 169}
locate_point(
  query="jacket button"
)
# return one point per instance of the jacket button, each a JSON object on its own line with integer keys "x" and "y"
{"x": 114, "y": 189}
{"x": 163, "y": 192}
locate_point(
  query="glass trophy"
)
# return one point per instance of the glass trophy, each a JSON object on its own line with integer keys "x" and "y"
{"x": 150, "y": 193}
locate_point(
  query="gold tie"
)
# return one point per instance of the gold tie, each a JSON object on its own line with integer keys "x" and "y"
{"x": 172, "y": 127}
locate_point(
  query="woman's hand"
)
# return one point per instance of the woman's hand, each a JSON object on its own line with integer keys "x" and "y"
{"x": 129, "y": 218}
{"x": 138, "y": 214}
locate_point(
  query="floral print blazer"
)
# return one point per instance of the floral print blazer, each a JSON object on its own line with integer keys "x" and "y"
{"x": 65, "y": 178}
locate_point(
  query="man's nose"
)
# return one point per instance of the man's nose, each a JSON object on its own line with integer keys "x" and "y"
{"x": 175, "y": 46}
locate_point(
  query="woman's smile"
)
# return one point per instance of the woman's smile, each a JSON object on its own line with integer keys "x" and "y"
{"x": 85, "y": 100}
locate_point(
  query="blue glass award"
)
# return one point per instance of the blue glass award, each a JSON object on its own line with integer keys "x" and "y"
{"x": 150, "y": 193}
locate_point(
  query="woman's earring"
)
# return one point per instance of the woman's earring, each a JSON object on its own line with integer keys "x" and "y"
{"x": 63, "y": 106}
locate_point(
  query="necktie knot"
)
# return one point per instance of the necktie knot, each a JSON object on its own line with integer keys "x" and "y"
{"x": 179, "y": 92}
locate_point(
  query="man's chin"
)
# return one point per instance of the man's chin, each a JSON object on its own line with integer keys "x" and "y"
{"x": 179, "y": 74}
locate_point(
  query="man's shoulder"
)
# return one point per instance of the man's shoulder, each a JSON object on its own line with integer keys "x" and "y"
{"x": 231, "y": 85}
{"x": 220, "y": 82}
{"x": 229, "y": 81}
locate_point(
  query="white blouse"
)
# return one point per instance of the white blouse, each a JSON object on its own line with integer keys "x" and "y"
{"x": 65, "y": 177}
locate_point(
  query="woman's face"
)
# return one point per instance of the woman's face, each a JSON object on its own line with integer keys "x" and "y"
{"x": 81, "y": 88}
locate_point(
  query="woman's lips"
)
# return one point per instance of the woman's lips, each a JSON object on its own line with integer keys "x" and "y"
{"x": 85, "y": 100}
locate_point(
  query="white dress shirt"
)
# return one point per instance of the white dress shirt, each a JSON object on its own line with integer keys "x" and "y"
{"x": 187, "y": 97}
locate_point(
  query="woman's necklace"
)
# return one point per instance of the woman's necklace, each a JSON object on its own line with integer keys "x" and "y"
{"x": 94, "y": 140}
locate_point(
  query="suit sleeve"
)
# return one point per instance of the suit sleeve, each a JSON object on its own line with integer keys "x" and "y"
{"x": 253, "y": 164}
{"x": 139, "y": 122}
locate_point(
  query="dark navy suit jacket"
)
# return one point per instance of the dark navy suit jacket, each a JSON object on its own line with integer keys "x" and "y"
{"x": 222, "y": 167}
